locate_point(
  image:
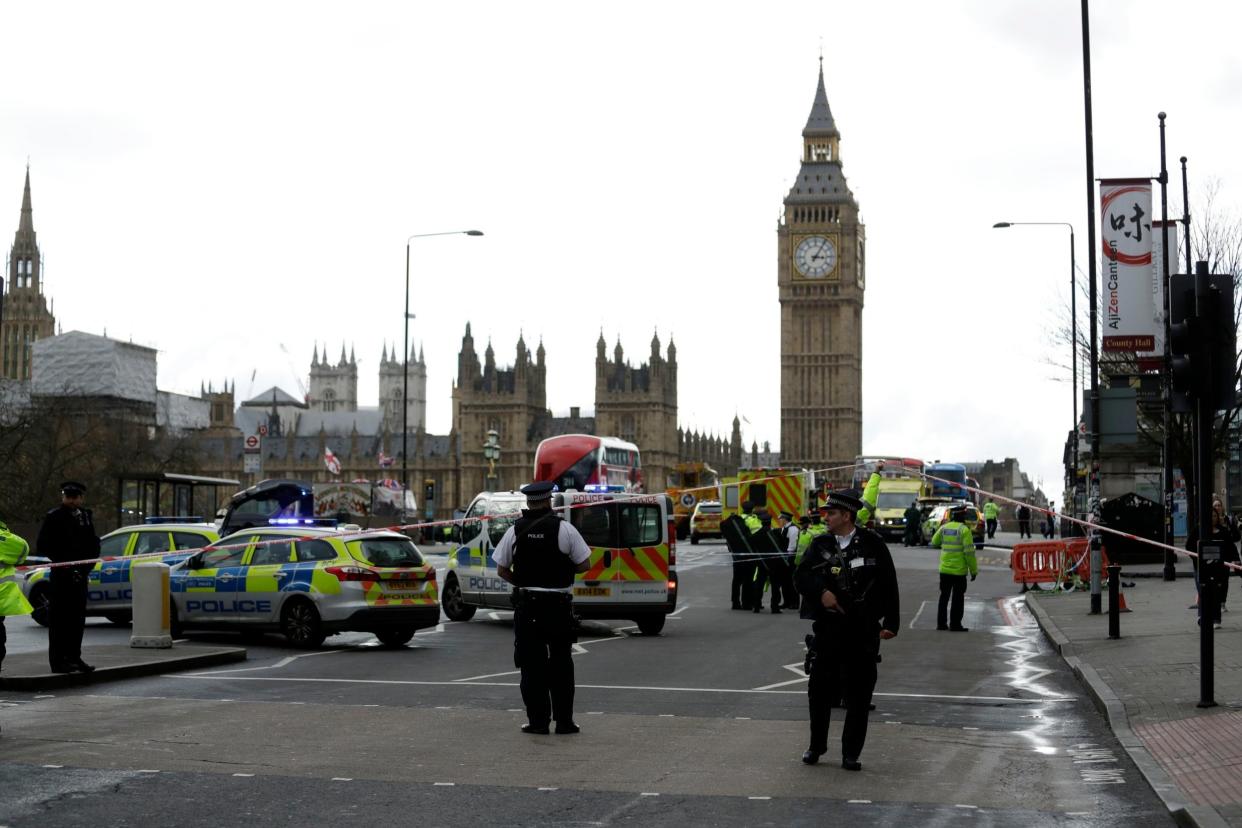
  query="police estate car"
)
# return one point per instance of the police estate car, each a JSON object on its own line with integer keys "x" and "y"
{"x": 109, "y": 591}
{"x": 307, "y": 582}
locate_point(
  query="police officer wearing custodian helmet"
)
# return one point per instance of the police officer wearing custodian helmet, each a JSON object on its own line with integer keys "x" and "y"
{"x": 849, "y": 587}
{"x": 539, "y": 555}
{"x": 68, "y": 534}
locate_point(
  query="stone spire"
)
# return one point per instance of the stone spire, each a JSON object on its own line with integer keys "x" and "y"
{"x": 26, "y": 225}
{"x": 820, "y": 121}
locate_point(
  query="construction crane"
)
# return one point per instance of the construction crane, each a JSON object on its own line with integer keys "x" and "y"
{"x": 296, "y": 376}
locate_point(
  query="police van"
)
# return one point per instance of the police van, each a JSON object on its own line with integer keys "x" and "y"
{"x": 633, "y": 566}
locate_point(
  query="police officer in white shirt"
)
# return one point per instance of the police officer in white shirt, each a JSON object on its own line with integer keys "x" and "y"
{"x": 539, "y": 555}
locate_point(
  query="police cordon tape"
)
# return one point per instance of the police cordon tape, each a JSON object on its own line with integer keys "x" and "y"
{"x": 590, "y": 499}
{"x": 1085, "y": 523}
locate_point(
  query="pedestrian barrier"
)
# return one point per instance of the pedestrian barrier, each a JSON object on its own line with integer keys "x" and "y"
{"x": 1039, "y": 564}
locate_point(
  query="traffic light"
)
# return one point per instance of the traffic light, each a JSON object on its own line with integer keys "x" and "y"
{"x": 1222, "y": 342}
{"x": 429, "y": 490}
{"x": 1202, "y": 340}
{"x": 1183, "y": 342}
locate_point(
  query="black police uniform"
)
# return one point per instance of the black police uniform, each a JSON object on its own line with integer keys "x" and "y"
{"x": 847, "y": 645}
{"x": 67, "y": 535}
{"x": 543, "y": 622}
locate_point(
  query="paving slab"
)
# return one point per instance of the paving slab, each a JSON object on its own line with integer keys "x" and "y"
{"x": 1147, "y": 684}
{"x": 30, "y": 670}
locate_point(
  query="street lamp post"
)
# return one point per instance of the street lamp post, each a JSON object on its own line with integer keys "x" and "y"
{"x": 405, "y": 359}
{"x": 1073, "y": 332}
{"x": 491, "y": 453}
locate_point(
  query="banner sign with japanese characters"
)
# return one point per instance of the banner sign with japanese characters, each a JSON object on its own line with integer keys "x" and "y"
{"x": 1129, "y": 310}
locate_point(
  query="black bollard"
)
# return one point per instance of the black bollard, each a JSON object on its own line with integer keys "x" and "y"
{"x": 1114, "y": 600}
{"x": 1209, "y": 560}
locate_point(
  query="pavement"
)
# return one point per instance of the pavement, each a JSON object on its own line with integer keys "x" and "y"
{"x": 1147, "y": 685}
{"x": 112, "y": 662}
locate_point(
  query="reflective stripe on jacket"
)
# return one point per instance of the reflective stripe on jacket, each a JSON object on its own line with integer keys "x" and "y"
{"x": 957, "y": 549}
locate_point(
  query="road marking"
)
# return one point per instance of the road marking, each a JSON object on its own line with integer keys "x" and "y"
{"x": 917, "y": 614}
{"x": 549, "y": 789}
{"x": 668, "y": 715}
{"x": 146, "y": 770}
{"x": 859, "y": 801}
{"x": 247, "y": 775}
{"x": 648, "y": 688}
{"x": 444, "y": 784}
{"x": 490, "y": 675}
{"x": 648, "y": 793}
{"x": 342, "y": 779}
{"x": 589, "y": 712}
{"x": 54, "y": 767}
{"x": 45, "y": 697}
{"x": 283, "y": 662}
{"x": 969, "y": 807}
{"x": 678, "y": 611}
{"x": 758, "y": 797}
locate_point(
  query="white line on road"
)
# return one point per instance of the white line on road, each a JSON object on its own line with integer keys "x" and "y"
{"x": 741, "y": 691}
{"x": 917, "y": 614}
{"x": 488, "y": 675}
{"x": 283, "y": 662}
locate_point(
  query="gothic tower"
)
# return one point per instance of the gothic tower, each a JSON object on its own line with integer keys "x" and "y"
{"x": 510, "y": 401}
{"x": 392, "y": 389}
{"x": 820, "y": 277}
{"x": 333, "y": 387}
{"x": 24, "y": 314}
{"x": 640, "y": 405}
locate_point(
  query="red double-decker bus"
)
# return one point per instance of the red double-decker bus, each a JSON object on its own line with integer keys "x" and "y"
{"x": 588, "y": 463}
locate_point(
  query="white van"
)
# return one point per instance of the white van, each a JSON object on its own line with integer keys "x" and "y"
{"x": 633, "y": 571}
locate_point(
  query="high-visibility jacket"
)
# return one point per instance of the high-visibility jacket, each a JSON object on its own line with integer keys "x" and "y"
{"x": 957, "y": 549}
{"x": 13, "y": 551}
{"x": 990, "y": 511}
{"x": 804, "y": 540}
{"x": 870, "y": 493}
{"x": 753, "y": 523}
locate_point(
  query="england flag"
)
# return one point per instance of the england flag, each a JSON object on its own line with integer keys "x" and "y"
{"x": 329, "y": 460}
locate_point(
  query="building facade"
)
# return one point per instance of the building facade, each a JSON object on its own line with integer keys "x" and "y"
{"x": 821, "y": 281}
{"x": 24, "y": 313}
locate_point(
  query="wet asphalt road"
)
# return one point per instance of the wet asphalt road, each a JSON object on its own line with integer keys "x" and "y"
{"x": 702, "y": 725}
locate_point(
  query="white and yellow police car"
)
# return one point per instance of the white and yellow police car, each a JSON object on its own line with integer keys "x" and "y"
{"x": 633, "y": 540}
{"x": 307, "y": 582}
{"x": 109, "y": 591}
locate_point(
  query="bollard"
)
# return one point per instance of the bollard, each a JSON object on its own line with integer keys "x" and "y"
{"x": 1114, "y": 600}
{"x": 151, "y": 607}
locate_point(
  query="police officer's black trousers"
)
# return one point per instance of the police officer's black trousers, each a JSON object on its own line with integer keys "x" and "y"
{"x": 991, "y": 527}
{"x": 757, "y": 580}
{"x": 3, "y": 639}
{"x": 66, "y": 616}
{"x": 781, "y": 580}
{"x": 543, "y": 637}
{"x": 739, "y": 592}
{"x": 951, "y": 587}
{"x": 843, "y": 672}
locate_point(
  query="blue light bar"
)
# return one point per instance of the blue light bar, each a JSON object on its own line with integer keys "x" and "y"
{"x": 602, "y": 487}
{"x": 301, "y": 521}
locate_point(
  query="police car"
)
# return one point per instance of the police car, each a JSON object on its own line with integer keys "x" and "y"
{"x": 308, "y": 582}
{"x": 633, "y": 571}
{"x": 109, "y": 591}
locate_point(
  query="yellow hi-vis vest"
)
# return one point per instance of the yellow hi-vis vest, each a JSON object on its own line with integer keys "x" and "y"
{"x": 13, "y": 551}
{"x": 957, "y": 549}
{"x": 753, "y": 523}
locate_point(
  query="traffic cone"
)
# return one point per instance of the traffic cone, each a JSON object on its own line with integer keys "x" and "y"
{"x": 1121, "y": 597}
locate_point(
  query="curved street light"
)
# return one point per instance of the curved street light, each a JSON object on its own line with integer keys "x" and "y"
{"x": 405, "y": 359}
{"x": 1000, "y": 225}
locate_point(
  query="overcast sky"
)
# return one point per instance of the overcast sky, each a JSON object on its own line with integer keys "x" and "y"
{"x": 233, "y": 182}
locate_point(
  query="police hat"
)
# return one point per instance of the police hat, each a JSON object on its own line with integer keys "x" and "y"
{"x": 539, "y": 491}
{"x": 787, "y": 516}
{"x": 846, "y": 499}
{"x": 72, "y": 488}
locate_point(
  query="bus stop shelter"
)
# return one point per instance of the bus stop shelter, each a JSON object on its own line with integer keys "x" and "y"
{"x": 168, "y": 494}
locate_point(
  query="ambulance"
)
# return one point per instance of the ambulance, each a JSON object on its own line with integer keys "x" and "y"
{"x": 633, "y": 571}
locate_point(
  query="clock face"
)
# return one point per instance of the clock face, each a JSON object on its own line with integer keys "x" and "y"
{"x": 815, "y": 257}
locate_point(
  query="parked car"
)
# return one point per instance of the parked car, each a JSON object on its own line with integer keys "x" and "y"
{"x": 705, "y": 520}
{"x": 940, "y": 514}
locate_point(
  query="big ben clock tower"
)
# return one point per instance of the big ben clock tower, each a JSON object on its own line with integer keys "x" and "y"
{"x": 820, "y": 278}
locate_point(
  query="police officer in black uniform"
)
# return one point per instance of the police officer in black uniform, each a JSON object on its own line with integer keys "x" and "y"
{"x": 849, "y": 587}
{"x": 539, "y": 555}
{"x": 68, "y": 534}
